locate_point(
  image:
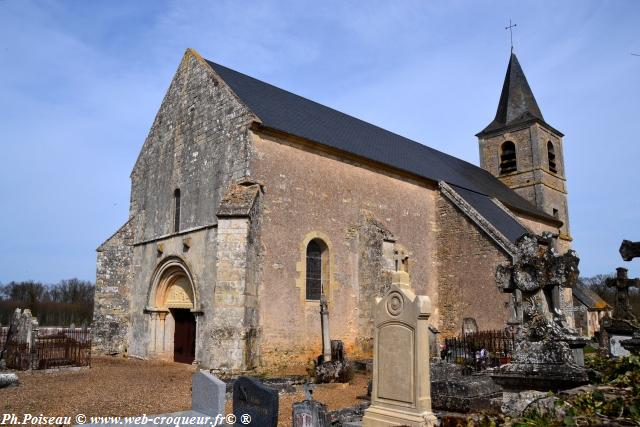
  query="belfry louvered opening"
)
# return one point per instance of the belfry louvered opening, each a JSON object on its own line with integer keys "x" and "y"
{"x": 508, "y": 161}
{"x": 551, "y": 154}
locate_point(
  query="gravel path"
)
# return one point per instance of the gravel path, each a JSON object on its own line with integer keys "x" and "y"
{"x": 124, "y": 387}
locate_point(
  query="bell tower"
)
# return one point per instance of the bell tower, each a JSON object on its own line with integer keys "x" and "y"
{"x": 525, "y": 152}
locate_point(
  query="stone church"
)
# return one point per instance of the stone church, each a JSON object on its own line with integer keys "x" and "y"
{"x": 250, "y": 203}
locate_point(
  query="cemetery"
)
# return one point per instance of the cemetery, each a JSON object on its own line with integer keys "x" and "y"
{"x": 278, "y": 262}
{"x": 536, "y": 370}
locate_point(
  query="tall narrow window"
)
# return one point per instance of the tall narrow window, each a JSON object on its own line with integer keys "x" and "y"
{"x": 551, "y": 154}
{"x": 316, "y": 270}
{"x": 508, "y": 161}
{"x": 176, "y": 215}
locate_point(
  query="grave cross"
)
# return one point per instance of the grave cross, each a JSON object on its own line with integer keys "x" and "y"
{"x": 629, "y": 250}
{"x": 622, "y": 283}
{"x": 510, "y": 28}
{"x": 401, "y": 260}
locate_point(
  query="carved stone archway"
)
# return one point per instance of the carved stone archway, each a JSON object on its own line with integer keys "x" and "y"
{"x": 172, "y": 308}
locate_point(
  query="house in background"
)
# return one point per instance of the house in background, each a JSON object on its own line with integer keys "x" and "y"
{"x": 588, "y": 309}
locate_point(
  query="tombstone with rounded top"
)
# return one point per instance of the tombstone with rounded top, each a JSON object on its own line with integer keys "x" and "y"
{"x": 401, "y": 388}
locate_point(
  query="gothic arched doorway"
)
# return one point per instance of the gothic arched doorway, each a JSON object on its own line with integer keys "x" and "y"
{"x": 173, "y": 323}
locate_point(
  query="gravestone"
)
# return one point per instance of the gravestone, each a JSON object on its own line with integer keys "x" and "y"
{"x": 469, "y": 326}
{"x": 434, "y": 347}
{"x": 310, "y": 413}
{"x": 259, "y": 402}
{"x": 401, "y": 387}
{"x": 324, "y": 324}
{"x": 332, "y": 365}
{"x": 19, "y": 351}
{"x": 622, "y": 283}
{"x": 622, "y": 324}
{"x": 548, "y": 351}
{"x": 632, "y": 345}
{"x": 207, "y": 394}
{"x": 629, "y": 250}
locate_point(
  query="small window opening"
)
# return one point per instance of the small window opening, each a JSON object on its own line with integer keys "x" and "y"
{"x": 508, "y": 161}
{"x": 316, "y": 269}
{"x": 551, "y": 154}
{"x": 176, "y": 216}
{"x": 555, "y": 213}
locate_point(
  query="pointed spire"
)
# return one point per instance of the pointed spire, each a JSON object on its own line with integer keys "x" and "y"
{"x": 517, "y": 103}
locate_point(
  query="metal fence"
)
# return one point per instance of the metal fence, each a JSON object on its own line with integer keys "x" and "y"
{"x": 480, "y": 350}
{"x": 63, "y": 347}
{"x": 51, "y": 348}
{"x": 4, "y": 330}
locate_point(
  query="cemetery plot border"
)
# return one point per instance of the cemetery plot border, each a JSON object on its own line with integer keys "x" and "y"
{"x": 481, "y": 350}
{"x": 51, "y": 348}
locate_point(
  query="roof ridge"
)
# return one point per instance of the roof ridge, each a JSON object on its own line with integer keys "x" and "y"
{"x": 294, "y": 114}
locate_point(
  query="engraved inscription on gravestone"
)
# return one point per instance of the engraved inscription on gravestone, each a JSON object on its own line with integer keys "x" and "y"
{"x": 250, "y": 397}
{"x": 310, "y": 413}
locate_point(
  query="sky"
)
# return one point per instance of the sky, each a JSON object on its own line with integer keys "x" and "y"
{"x": 81, "y": 81}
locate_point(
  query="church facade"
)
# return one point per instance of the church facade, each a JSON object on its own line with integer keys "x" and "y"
{"x": 249, "y": 204}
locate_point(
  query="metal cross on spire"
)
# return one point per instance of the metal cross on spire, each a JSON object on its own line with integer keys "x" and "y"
{"x": 510, "y": 28}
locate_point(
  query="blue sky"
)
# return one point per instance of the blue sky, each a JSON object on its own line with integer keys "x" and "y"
{"x": 80, "y": 83}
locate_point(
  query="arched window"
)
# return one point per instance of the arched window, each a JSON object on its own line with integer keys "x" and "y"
{"x": 176, "y": 215}
{"x": 508, "y": 161}
{"x": 316, "y": 268}
{"x": 551, "y": 155}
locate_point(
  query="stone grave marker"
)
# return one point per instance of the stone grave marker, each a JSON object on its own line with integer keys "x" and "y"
{"x": 622, "y": 325}
{"x": 253, "y": 399}
{"x": 622, "y": 283}
{"x": 207, "y": 394}
{"x": 310, "y": 413}
{"x": 629, "y": 250}
{"x": 469, "y": 326}
{"x": 434, "y": 347}
{"x": 615, "y": 345}
{"x": 548, "y": 349}
{"x": 401, "y": 388}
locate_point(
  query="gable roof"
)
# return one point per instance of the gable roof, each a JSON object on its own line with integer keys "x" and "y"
{"x": 517, "y": 104}
{"x": 286, "y": 112}
{"x": 485, "y": 206}
{"x": 589, "y": 298}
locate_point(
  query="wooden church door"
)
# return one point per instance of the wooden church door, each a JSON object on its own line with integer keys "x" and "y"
{"x": 184, "y": 336}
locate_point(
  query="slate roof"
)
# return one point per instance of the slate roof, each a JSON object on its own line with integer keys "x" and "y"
{"x": 517, "y": 104}
{"x": 505, "y": 223}
{"x": 589, "y": 298}
{"x": 284, "y": 111}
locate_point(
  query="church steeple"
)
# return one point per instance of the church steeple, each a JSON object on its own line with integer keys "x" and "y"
{"x": 523, "y": 151}
{"x": 517, "y": 104}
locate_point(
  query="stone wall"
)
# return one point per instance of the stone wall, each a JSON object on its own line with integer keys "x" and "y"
{"x": 375, "y": 245}
{"x": 233, "y": 336}
{"x": 111, "y": 302}
{"x": 198, "y": 143}
{"x": 311, "y": 194}
{"x": 467, "y": 261}
{"x": 533, "y": 179}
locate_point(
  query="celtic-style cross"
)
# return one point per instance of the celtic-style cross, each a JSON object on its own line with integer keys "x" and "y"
{"x": 510, "y": 28}
{"x": 622, "y": 283}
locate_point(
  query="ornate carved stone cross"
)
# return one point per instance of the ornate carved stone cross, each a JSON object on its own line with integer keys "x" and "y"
{"x": 536, "y": 276}
{"x": 622, "y": 283}
{"x": 629, "y": 250}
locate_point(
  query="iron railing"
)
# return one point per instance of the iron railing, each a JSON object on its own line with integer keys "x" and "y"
{"x": 51, "y": 348}
{"x": 480, "y": 350}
